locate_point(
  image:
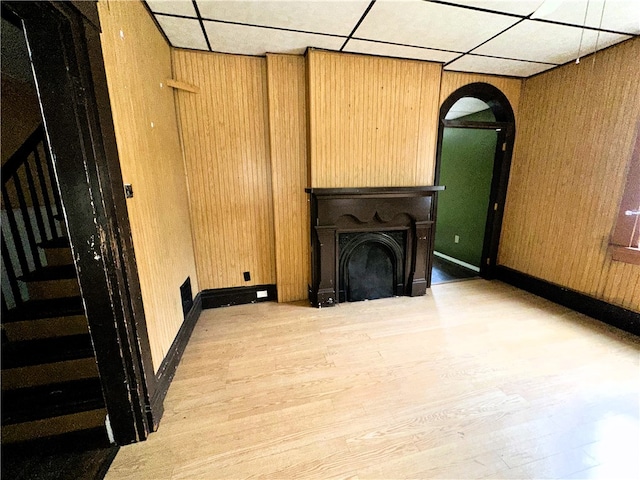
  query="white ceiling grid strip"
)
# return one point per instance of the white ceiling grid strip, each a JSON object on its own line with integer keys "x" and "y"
{"x": 173, "y": 7}
{"x": 546, "y": 42}
{"x": 183, "y": 32}
{"x": 617, "y": 15}
{"x": 518, "y": 7}
{"x": 425, "y": 24}
{"x": 497, "y": 66}
{"x": 248, "y": 40}
{"x": 399, "y": 51}
{"x": 332, "y": 17}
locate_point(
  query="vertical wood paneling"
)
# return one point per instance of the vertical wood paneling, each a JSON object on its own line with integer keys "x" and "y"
{"x": 372, "y": 120}
{"x": 575, "y": 140}
{"x": 226, "y": 143}
{"x": 286, "y": 76}
{"x": 511, "y": 87}
{"x": 137, "y": 63}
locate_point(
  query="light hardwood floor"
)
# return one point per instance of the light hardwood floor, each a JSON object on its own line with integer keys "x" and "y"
{"x": 475, "y": 380}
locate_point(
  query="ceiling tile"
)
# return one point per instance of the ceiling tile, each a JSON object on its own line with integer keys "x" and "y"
{"x": 496, "y": 66}
{"x": 173, "y": 7}
{"x": 242, "y": 39}
{"x": 334, "y": 17}
{"x": 545, "y": 42}
{"x": 617, "y": 15}
{"x": 399, "y": 51}
{"x": 517, "y": 7}
{"x": 424, "y": 24}
{"x": 183, "y": 32}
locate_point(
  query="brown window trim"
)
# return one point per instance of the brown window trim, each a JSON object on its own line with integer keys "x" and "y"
{"x": 625, "y": 254}
{"x": 624, "y": 240}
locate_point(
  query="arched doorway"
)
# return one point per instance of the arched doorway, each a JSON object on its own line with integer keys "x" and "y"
{"x": 475, "y": 143}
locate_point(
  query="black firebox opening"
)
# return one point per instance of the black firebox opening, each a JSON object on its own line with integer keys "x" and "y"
{"x": 371, "y": 265}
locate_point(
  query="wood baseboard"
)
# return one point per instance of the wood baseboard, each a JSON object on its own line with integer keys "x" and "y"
{"x": 167, "y": 369}
{"x": 225, "y": 297}
{"x": 614, "y": 315}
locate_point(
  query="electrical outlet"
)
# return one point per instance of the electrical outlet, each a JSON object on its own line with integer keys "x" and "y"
{"x": 128, "y": 190}
{"x": 262, "y": 294}
{"x": 247, "y": 276}
{"x": 456, "y": 239}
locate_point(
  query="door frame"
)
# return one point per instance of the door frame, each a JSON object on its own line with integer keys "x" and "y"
{"x": 66, "y": 56}
{"x": 505, "y": 126}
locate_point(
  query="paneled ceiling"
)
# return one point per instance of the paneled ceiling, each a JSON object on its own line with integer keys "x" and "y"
{"x": 505, "y": 37}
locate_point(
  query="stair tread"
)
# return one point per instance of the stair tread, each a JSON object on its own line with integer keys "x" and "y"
{"x": 49, "y": 308}
{"x": 36, "y": 403}
{"x": 76, "y": 441}
{"x": 60, "y": 242}
{"x": 54, "y": 272}
{"x": 46, "y": 350}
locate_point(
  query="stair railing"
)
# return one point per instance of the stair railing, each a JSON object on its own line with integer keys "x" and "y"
{"x": 31, "y": 214}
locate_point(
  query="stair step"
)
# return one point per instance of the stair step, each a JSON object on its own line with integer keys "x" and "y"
{"x": 60, "y": 242}
{"x": 56, "y": 281}
{"x": 35, "y": 403}
{"x": 46, "y": 328}
{"x": 49, "y": 289}
{"x": 57, "y": 251}
{"x": 59, "y": 256}
{"x": 46, "y": 350}
{"x": 63, "y": 424}
{"x": 55, "y": 272}
{"x": 50, "y": 308}
{"x": 77, "y": 441}
{"x": 34, "y": 375}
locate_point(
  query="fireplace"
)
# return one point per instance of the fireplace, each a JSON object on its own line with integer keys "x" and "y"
{"x": 369, "y": 243}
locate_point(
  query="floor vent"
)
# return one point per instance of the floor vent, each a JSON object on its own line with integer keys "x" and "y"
{"x": 187, "y": 296}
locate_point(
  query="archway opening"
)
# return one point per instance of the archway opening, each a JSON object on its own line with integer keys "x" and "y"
{"x": 475, "y": 141}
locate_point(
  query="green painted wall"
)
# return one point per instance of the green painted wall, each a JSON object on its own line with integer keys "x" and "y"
{"x": 466, "y": 170}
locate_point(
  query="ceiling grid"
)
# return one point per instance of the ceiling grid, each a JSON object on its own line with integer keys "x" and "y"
{"x": 517, "y": 38}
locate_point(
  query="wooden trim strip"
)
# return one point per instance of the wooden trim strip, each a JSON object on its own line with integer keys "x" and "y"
{"x": 614, "y": 315}
{"x": 182, "y": 85}
{"x": 168, "y": 367}
{"x": 625, "y": 254}
{"x": 471, "y": 124}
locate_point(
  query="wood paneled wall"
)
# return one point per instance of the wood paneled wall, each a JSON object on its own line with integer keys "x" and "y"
{"x": 573, "y": 147}
{"x": 225, "y": 131}
{"x": 511, "y": 87}
{"x": 286, "y": 78}
{"x": 138, "y": 61}
{"x": 372, "y": 120}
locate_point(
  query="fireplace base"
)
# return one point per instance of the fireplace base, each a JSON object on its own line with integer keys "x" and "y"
{"x": 338, "y": 211}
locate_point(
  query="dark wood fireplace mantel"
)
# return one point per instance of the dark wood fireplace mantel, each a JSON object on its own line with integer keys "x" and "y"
{"x": 377, "y": 209}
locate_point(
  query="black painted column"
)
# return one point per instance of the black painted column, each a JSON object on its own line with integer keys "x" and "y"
{"x": 326, "y": 293}
{"x": 421, "y": 270}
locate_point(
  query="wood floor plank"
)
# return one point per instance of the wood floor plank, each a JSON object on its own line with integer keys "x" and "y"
{"x": 474, "y": 380}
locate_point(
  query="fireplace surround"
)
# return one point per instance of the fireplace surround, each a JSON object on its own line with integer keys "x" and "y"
{"x": 370, "y": 242}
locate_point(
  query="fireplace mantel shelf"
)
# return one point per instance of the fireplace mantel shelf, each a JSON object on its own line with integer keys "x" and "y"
{"x": 374, "y": 190}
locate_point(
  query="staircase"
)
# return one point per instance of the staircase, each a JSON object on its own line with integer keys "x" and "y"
{"x": 51, "y": 390}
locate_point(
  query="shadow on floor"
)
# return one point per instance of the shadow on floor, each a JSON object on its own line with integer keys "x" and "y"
{"x": 29, "y": 462}
{"x": 445, "y": 271}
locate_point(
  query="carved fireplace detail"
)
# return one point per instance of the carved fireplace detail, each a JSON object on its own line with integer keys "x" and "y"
{"x": 395, "y": 224}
